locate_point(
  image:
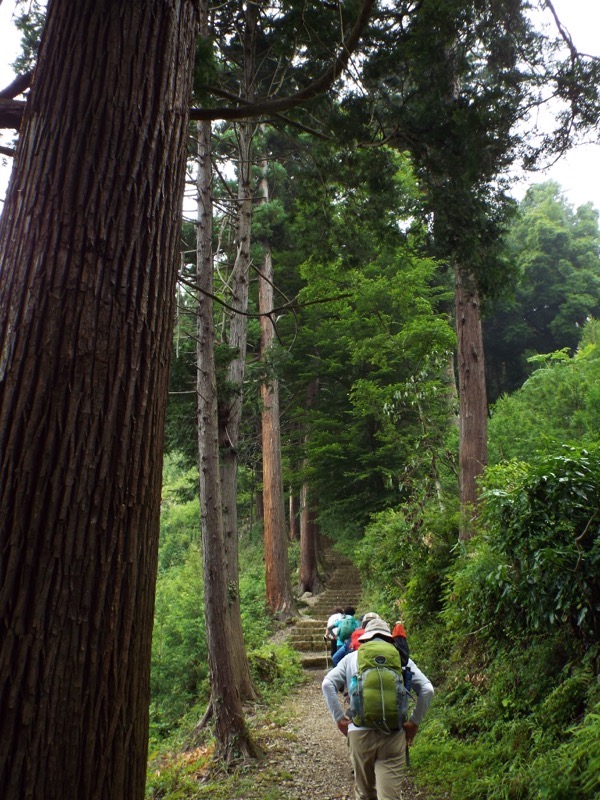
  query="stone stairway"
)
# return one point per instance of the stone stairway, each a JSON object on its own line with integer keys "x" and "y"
{"x": 342, "y": 589}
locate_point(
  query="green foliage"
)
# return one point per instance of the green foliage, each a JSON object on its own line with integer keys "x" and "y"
{"x": 559, "y": 403}
{"x": 404, "y": 557}
{"x": 536, "y": 565}
{"x": 179, "y": 674}
{"x": 557, "y": 251}
{"x": 30, "y": 23}
{"x": 276, "y": 669}
{"x": 546, "y": 531}
{"x": 515, "y": 649}
{"x": 508, "y": 726}
{"x": 179, "y": 658}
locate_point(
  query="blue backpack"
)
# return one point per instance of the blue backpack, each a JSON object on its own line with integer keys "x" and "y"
{"x": 346, "y": 627}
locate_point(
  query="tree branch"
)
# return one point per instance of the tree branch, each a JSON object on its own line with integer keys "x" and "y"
{"x": 257, "y": 108}
{"x": 18, "y": 86}
{"x": 291, "y": 305}
{"x": 11, "y": 111}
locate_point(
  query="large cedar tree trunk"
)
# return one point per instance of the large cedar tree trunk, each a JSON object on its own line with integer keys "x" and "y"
{"x": 89, "y": 239}
{"x": 277, "y": 569}
{"x": 472, "y": 394}
{"x": 230, "y": 727}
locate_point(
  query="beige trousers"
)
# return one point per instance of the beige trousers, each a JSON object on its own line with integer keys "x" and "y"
{"x": 378, "y": 761}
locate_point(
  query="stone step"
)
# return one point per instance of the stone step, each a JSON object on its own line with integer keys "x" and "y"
{"x": 342, "y": 581}
{"x": 315, "y": 661}
{"x": 310, "y": 646}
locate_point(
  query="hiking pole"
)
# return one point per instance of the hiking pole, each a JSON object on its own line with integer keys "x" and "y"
{"x": 326, "y": 653}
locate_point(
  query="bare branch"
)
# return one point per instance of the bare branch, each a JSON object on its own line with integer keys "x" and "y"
{"x": 257, "y": 108}
{"x": 18, "y": 86}
{"x": 11, "y": 113}
{"x": 291, "y": 305}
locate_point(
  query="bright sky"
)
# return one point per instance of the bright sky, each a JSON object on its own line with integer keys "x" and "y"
{"x": 578, "y": 173}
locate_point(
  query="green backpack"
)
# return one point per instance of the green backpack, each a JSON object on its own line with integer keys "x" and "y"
{"x": 378, "y": 697}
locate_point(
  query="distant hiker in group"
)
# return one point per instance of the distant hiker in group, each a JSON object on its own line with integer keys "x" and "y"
{"x": 345, "y": 628}
{"x": 377, "y": 723}
{"x": 401, "y": 642}
{"x": 331, "y": 631}
{"x": 366, "y": 618}
{"x": 352, "y": 643}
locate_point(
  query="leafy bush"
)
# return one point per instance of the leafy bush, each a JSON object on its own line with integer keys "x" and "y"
{"x": 515, "y": 650}
{"x": 404, "y": 557}
{"x": 559, "y": 403}
{"x": 545, "y": 529}
{"x": 179, "y": 675}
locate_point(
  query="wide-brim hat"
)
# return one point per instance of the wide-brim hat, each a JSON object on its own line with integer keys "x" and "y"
{"x": 376, "y": 627}
{"x": 370, "y": 615}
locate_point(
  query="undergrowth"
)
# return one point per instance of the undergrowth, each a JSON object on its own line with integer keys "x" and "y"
{"x": 506, "y": 627}
{"x": 183, "y": 766}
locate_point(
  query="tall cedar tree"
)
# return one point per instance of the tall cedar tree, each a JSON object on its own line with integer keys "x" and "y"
{"x": 280, "y": 600}
{"x": 451, "y": 93}
{"x": 226, "y": 701}
{"x": 89, "y": 240}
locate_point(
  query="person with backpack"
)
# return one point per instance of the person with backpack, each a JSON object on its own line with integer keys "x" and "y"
{"x": 346, "y": 626}
{"x": 377, "y": 724}
{"x": 352, "y": 643}
{"x": 401, "y": 642}
{"x": 331, "y": 631}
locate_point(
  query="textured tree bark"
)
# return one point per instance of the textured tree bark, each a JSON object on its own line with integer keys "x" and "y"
{"x": 309, "y": 540}
{"x": 277, "y": 569}
{"x": 230, "y": 402}
{"x": 294, "y": 510}
{"x": 309, "y": 530}
{"x": 89, "y": 239}
{"x": 230, "y": 405}
{"x": 230, "y": 727}
{"x": 472, "y": 396}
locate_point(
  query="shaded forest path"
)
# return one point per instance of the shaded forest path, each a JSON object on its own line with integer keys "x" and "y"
{"x": 310, "y": 761}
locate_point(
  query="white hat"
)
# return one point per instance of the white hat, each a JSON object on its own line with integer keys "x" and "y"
{"x": 369, "y": 616}
{"x": 376, "y": 627}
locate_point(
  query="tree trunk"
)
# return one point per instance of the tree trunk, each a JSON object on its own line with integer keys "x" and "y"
{"x": 472, "y": 396}
{"x": 230, "y": 728}
{"x": 309, "y": 531}
{"x": 230, "y": 406}
{"x": 294, "y": 505}
{"x": 278, "y": 582}
{"x": 89, "y": 239}
{"x": 309, "y": 534}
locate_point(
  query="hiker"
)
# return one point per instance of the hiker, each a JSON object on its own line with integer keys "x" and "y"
{"x": 366, "y": 618}
{"x": 346, "y": 625}
{"x": 401, "y": 642}
{"x": 331, "y": 630}
{"x": 353, "y": 642}
{"x": 377, "y": 745}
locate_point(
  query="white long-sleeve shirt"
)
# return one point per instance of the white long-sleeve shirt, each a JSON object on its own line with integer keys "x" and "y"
{"x": 339, "y": 679}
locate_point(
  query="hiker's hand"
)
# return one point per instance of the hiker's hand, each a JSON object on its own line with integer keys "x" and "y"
{"x": 410, "y": 729}
{"x": 343, "y": 725}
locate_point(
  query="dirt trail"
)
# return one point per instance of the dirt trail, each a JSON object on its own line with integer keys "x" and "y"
{"x": 312, "y": 761}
